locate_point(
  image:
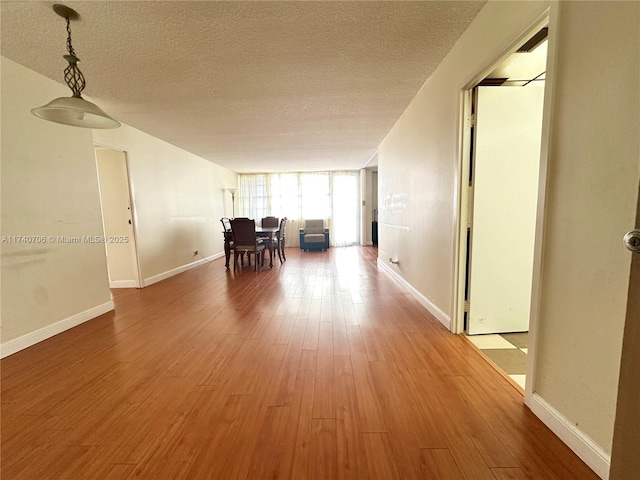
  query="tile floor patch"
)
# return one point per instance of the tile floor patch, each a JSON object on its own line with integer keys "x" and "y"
{"x": 491, "y": 341}
{"x": 511, "y": 361}
{"x": 519, "y": 379}
{"x": 520, "y": 340}
{"x": 507, "y": 350}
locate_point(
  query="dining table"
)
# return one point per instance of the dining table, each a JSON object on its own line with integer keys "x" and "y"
{"x": 264, "y": 232}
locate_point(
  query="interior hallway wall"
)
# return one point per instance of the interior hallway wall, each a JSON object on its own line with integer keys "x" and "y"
{"x": 50, "y": 198}
{"x": 592, "y": 188}
{"x": 592, "y": 182}
{"x": 178, "y": 200}
{"x": 50, "y": 194}
{"x": 418, "y": 160}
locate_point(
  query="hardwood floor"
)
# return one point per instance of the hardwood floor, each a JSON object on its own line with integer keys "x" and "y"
{"x": 321, "y": 368}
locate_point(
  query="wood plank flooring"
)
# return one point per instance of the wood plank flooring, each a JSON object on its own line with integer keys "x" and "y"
{"x": 320, "y": 368}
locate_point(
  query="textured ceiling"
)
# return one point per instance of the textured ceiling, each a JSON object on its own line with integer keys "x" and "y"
{"x": 253, "y": 86}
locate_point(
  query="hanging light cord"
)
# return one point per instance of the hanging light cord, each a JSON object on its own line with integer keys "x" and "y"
{"x": 72, "y": 74}
{"x": 70, "y": 49}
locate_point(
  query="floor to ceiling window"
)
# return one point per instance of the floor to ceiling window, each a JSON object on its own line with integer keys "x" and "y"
{"x": 345, "y": 209}
{"x": 331, "y": 196}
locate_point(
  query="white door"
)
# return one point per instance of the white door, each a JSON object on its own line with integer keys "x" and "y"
{"x": 625, "y": 461}
{"x": 117, "y": 218}
{"x": 506, "y": 162}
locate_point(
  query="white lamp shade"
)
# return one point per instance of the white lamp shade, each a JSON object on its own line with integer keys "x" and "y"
{"x": 77, "y": 112}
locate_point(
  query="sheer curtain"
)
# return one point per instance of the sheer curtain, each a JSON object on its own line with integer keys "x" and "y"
{"x": 253, "y": 196}
{"x": 331, "y": 196}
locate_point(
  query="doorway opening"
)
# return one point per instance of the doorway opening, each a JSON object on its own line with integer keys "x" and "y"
{"x": 117, "y": 218}
{"x": 502, "y": 175}
{"x": 369, "y": 203}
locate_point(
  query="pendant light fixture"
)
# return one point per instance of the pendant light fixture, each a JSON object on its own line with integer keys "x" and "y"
{"x": 74, "y": 110}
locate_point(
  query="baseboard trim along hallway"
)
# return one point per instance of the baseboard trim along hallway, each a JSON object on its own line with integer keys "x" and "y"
{"x": 575, "y": 438}
{"x": 178, "y": 270}
{"x": 442, "y": 317}
{"x": 12, "y": 346}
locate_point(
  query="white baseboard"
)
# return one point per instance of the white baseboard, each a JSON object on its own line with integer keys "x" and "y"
{"x": 175, "y": 271}
{"x": 215, "y": 256}
{"x": 442, "y": 317}
{"x": 123, "y": 284}
{"x": 581, "y": 444}
{"x": 25, "y": 341}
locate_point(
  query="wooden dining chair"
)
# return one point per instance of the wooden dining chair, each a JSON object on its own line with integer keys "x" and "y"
{"x": 277, "y": 242}
{"x": 283, "y": 225}
{"x": 269, "y": 222}
{"x": 246, "y": 241}
{"x": 228, "y": 241}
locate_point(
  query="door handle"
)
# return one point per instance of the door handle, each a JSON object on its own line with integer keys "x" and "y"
{"x": 632, "y": 240}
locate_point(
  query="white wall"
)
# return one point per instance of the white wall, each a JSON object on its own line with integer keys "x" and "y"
{"x": 49, "y": 189}
{"x": 178, "y": 201}
{"x": 418, "y": 160}
{"x": 594, "y": 169}
{"x": 592, "y": 187}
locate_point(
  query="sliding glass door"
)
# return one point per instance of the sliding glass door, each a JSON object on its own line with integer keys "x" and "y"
{"x": 345, "y": 209}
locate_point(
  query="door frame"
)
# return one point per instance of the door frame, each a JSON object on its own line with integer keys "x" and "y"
{"x": 464, "y": 195}
{"x": 134, "y": 218}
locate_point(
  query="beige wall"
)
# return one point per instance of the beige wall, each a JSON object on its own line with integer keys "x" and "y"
{"x": 593, "y": 179}
{"x": 594, "y": 167}
{"x": 178, "y": 200}
{"x": 49, "y": 189}
{"x": 417, "y": 161}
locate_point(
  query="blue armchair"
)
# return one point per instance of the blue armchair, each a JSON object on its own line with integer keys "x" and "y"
{"x": 314, "y": 236}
